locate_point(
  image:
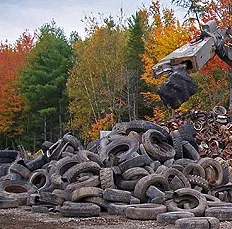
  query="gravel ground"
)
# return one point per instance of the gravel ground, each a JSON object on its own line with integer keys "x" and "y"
{"x": 23, "y": 219}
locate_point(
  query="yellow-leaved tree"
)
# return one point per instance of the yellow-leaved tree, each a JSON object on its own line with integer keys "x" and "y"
{"x": 165, "y": 34}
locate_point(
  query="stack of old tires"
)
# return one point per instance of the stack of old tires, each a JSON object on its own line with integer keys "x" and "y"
{"x": 141, "y": 170}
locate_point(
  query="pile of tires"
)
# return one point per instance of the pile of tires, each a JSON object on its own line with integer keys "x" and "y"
{"x": 141, "y": 170}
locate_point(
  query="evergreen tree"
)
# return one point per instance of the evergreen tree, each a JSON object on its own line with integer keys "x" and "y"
{"x": 44, "y": 85}
{"x": 135, "y": 48}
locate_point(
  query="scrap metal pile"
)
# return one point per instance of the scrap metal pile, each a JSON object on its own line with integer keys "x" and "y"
{"x": 141, "y": 170}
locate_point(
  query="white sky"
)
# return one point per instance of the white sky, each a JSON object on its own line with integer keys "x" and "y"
{"x": 18, "y": 16}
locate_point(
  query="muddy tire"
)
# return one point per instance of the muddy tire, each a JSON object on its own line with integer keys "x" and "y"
{"x": 80, "y": 210}
{"x": 17, "y": 189}
{"x": 116, "y": 195}
{"x": 106, "y": 178}
{"x": 198, "y": 182}
{"x": 194, "y": 169}
{"x": 93, "y": 181}
{"x": 185, "y": 195}
{"x": 144, "y": 183}
{"x": 221, "y": 213}
{"x": 135, "y": 173}
{"x": 171, "y": 172}
{"x": 8, "y": 202}
{"x": 75, "y": 170}
{"x": 171, "y": 217}
{"x": 209, "y": 162}
{"x": 40, "y": 179}
{"x": 21, "y": 170}
{"x": 50, "y": 198}
{"x": 73, "y": 141}
{"x": 144, "y": 212}
{"x": 156, "y": 148}
{"x": 37, "y": 163}
{"x": 128, "y": 185}
{"x": 84, "y": 192}
{"x": 138, "y": 161}
{"x": 177, "y": 143}
{"x": 104, "y": 204}
{"x": 119, "y": 150}
{"x": 189, "y": 151}
{"x": 198, "y": 222}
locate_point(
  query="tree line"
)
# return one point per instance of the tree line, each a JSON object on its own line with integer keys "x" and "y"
{"x": 51, "y": 84}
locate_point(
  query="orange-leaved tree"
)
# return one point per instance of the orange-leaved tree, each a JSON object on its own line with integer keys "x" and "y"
{"x": 165, "y": 34}
{"x": 12, "y": 58}
{"x": 213, "y": 82}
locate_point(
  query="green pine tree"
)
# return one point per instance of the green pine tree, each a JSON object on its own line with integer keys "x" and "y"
{"x": 44, "y": 85}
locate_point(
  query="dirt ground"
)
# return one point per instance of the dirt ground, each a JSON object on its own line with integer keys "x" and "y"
{"x": 23, "y": 219}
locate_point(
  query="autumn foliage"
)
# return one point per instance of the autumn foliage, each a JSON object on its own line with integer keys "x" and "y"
{"x": 166, "y": 34}
{"x": 12, "y": 58}
{"x": 105, "y": 73}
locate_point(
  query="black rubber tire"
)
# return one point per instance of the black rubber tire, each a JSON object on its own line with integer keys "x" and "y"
{"x": 128, "y": 185}
{"x": 171, "y": 217}
{"x": 143, "y": 125}
{"x": 84, "y": 192}
{"x": 93, "y": 181}
{"x": 187, "y": 193}
{"x": 116, "y": 195}
{"x": 106, "y": 178}
{"x": 104, "y": 204}
{"x": 198, "y": 181}
{"x": 8, "y": 202}
{"x": 135, "y": 173}
{"x": 4, "y": 168}
{"x": 184, "y": 161}
{"x": 144, "y": 212}
{"x": 40, "y": 179}
{"x": 4, "y": 160}
{"x": 189, "y": 151}
{"x": 73, "y": 141}
{"x": 39, "y": 209}
{"x": 153, "y": 192}
{"x": 177, "y": 143}
{"x": 134, "y": 162}
{"x": 17, "y": 189}
{"x": 119, "y": 150}
{"x": 64, "y": 164}
{"x": 50, "y": 198}
{"x": 21, "y": 170}
{"x": 171, "y": 172}
{"x": 209, "y": 162}
{"x": 198, "y": 222}
{"x": 75, "y": 170}
{"x": 188, "y": 133}
{"x": 46, "y": 145}
{"x": 156, "y": 148}
{"x": 55, "y": 151}
{"x": 194, "y": 169}
{"x": 144, "y": 183}
{"x": 8, "y": 153}
{"x": 37, "y": 163}
{"x": 86, "y": 155}
{"x": 80, "y": 210}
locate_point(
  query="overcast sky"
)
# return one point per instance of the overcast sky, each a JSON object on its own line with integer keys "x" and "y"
{"x": 19, "y": 15}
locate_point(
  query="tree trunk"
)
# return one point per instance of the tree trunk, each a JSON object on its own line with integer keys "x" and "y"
{"x": 45, "y": 128}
